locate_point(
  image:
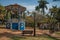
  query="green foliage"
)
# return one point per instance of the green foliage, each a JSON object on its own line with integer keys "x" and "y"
{"x": 37, "y": 8}
{"x": 42, "y": 5}
{"x": 57, "y": 16}
{"x": 55, "y": 13}
{"x": 53, "y": 10}
{"x": 2, "y": 11}
{"x": 2, "y": 7}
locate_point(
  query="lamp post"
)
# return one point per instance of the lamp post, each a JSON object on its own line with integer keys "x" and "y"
{"x": 34, "y": 24}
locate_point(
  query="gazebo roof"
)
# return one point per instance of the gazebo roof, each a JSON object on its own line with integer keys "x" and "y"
{"x": 21, "y": 8}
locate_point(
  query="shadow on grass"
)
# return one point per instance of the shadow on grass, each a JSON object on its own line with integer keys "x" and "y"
{"x": 19, "y": 37}
{"x": 48, "y": 36}
{"x": 12, "y": 36}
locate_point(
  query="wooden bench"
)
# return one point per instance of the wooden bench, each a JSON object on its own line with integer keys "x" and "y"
{"x": 27, "y": 32}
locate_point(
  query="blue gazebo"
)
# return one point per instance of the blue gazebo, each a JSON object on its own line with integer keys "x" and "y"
{"x": 16, "y": 23}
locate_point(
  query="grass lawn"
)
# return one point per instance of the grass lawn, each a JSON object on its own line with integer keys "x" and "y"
{"x": 58, "y": 33}
{"x": 34, "y": 38}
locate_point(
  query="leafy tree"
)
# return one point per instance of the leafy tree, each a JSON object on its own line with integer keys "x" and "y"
{"x": 42, "y": 5}
{"x": 2, "y": 13}
{"x": 58, "y": 15}
{"x": 55, "y": 15}
{"x": 53, "y": 10}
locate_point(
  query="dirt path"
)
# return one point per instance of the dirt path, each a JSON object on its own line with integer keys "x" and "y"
{"x": 6, "y": 34}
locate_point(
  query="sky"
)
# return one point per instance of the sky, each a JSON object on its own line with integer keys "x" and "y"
{"x": 29, "y": 4}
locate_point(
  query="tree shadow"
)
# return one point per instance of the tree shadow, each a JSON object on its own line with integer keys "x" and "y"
{"x": 12, "y": 36}
{"x": 47, "y": 35}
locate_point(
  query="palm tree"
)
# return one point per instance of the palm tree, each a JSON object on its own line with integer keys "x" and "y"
{"x": 58, "y": 15}
{"x": 53, "y": 12}
{"x": 37, "y": 8}
{"x": 58, "y": 18}
{"x": 42, "y": 5}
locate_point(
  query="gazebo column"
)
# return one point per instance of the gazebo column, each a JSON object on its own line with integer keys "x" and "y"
{"x": 19, "y": 18}
{"x": 21, "y": 22}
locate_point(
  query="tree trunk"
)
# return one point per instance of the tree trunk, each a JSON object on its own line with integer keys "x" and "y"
{"x": 43, "y": 11}
{"x": 58, "y": 25}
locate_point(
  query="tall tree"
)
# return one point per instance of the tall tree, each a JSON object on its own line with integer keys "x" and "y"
{"x": 53, "y": 11}
{"x": 42, "y": 5}
{"x": 58, "y": 18}
{"x": 2, "y": 13}
{"x": 55, "y": 14}
{"x": 58, "y": 15}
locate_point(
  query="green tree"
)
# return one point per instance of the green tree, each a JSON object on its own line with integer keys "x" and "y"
{"x": 53, "y": 11}
{"x": 2, "y": 13}
{"x": 58, "y": 15}
{"x": 42, "y": 5}
{"x": 54, "y": 15}
{"x": 58, "y": 18}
